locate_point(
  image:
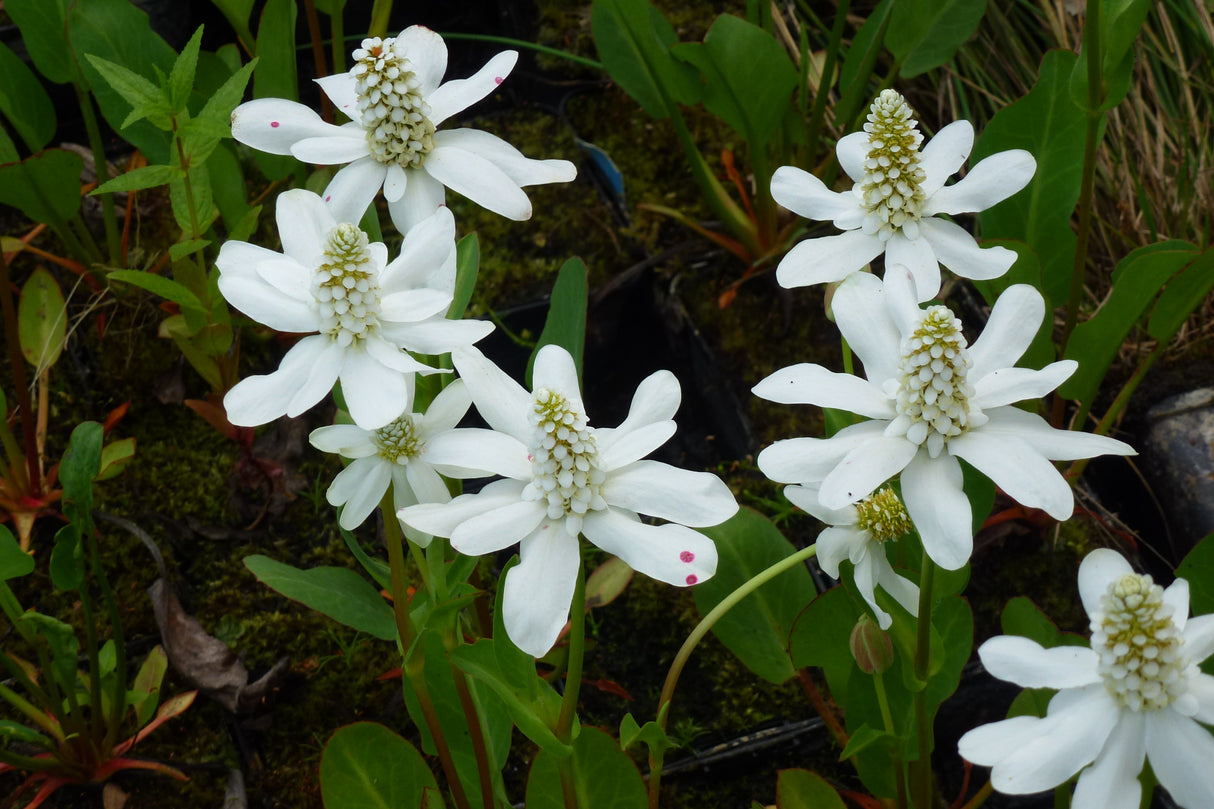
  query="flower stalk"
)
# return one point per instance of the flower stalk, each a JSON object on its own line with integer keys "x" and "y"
{"x": 923, "y": 772}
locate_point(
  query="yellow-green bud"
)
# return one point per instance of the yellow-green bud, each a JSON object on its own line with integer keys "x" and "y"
{"x": 871, "y": 647}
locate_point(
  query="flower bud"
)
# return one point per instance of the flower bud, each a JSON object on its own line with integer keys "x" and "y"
{"x": 871, "y": 646}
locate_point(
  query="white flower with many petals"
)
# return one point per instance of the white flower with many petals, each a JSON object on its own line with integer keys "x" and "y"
{"x": 394, "y": 455}
{"x": 932, "y": 400}
{"x": 1136, "y": 693}
{"x": 564, "y": 477}
{"x": 363, "y": 314}
{"x": 894, "y": 205}
{"x": 858, "y": 532}
{"x": 396, "y": 102}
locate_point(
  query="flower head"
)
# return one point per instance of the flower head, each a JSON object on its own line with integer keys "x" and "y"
{"x": 898, "y": 190}
{"x": 1136, "y": 693}
{"x": 396, "y": 101}
{"x": 563, "y": 477}
{"x": 933, "y": 400}
{"x": 394, "y": 455}
{"x": 363, "y": 313}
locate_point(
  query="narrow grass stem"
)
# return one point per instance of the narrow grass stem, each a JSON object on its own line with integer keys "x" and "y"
{"x": 381, "y": 10}
{"x": 923, "y": 787}
{"x": 318, "y": 54}
{"x": 693, "y": 640}
{"x": 531, "y": 46}
{"x": 476, "y": 732}
{"x": 112, "y": 241}
{"x": 196, "y": 281}
{"x": 337, "y": 25}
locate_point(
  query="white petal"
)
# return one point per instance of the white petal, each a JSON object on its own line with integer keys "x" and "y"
{"x": 653, "y": 406}
{"x": 457, "y": 95}
{"x": 904, "y": 591}
{"x": 341, "y": 88}
{"x": 427, "y": 53}
{"x": 413, "y": 305}
{"x": 991, "y": 181}
{"x": 1023, "y": 473}
{"x": 669, "y": 553}
{"x": 806, "y": 195}
{"x": 260, "y": 399}
{"x": 426, "y": 248}
{"x": 813, "y": 384}
{"x": 274, "y": 125}
{"x": 837, "y": 543}
{"x": 303, "y": 223}
{"x": 347, "y": 440}
{"x": 479, "y": 180}
{"x": 902, "y": 299}
{"x": 522, "y": 170}
{"x": 917, "y": 256}
{"x": 866, "y": 583}
{"x": 1051, "y": 443}
{"x": 956, "y": 249}
{"x": 931, "y": 490}
{"x": 806, "y": 498}
{"x": 354, "y": 477}
{"x": 362, "y": 499}
{"x": 554, "y": 370}
{"x": 1176, "y": 596}
{"x": 852, "y": 150}
{"x": 321, "y": 372}
{"x": 425, "y": 483}
{"x": 331, "y": 150}
{"x": 500, "y": 400}
{"x": 352, "y": 188}
{"x": 263, "y": 303}
{"x": 827, "y": 259}
{"x": 395, "y": 181}
{"x": 375, "y": 394}
{"x": 1004, "y": 386}
{"x": 1198, "y": 632}
{"x": 1201, "y": 688}
{"x": 289, "y": 278}
{"x": 403, "y": 496}
{"x": 865, "y": 468}
{"x": 391, "y": 356}
{"x": 494, "y": 530}
{"x": 661, "y": 490}
{"x": 1097, "y": 571}
{"x": 944, "y": 154}
{"x": 860, "y": 311}
{"x": 803, "y": 460}
{"x": 1112, "y": 780}
{"x": 437, "y": 335}
{"x": 1029, "y": 665}
{"x": 489, "y": 452}
{"x": 634, "y": 445}
{"x": 539, "y": 590}
{"x": 1013, "y": 323}
{"x": 423, "y": 196}
{"x": 448, "y": 407}
{"x": 1180, "y": 752}
{"x": 987, "y": 745}
{"x": 242, "y": 258}
{"x": 441, "y": 519}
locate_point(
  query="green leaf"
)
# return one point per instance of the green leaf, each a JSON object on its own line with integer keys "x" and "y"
{"x": 219, "y": 106}
{"x": 651, "y": 734}
{"x": 1031, "y": 702}
{"x": 566, "y": 323}
{"x": 1024, "y": 618}
{"x": 14, "y": 562}
{"x": 1136, "y": 282}
{"x": 181, "y": 77}
{"x": 43, "y": 25}
{"x": 757, "y": 629}
{"x": 67, "y": 559}
{"x": 1049, "y": 126}
{"x": 633, "y": 40}
{"x": 237, "y": 13}
{"x": 79, "y": 466}
{"x": 802, "y": 789}
{"x": 139, "y": 179}
{"x": 146, "y": 99}
{"x": 337, "y": 592}
{"x": 603, "y": 776}
{"x": 114, "y": 458}
{"x": 1198, "y": 569}
{"x": 467, "y": 264}
{"x": 45, "y": 187}
{"x": 166, "y": 288}
{"x": 1184, "y": 294}
{"x": 749, "y": 78}
{"x": 8, "y": 151}
{"x": 193, "y": 224}
{"x": 367, "y": 766}
{"x": 41, "y": 320}
{"x": 924, "y": 34}
{"x": 144, "y": 695}
{"x": 61, "y": 639}
{"x": 182, "y": 249}
{"x": 18, "y": 732}
{"x": 856, "y": 73}
{"x": 24, "y": 102}
{"x": 1120, "y": 23}
{"x": 863, "y": 738}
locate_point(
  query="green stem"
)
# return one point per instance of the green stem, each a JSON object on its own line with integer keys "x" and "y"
{"x": 196, "y": 281}
{"x": 84, "y": 238}
{"x": 477, "y": 734}
{"x": 381, "y": 10}
{"x": 923, "y": 787}
{"x": 31, "y": 712}
{"x": 416, "y": 672}
{"x": 533, "y": 46}
{"x": 337, "y": 26}
{"x": 887, "y": 719}
{"x": 577, "y": 651}
{"x": 112, "y": 240}
{"x": 1115, "y": 409}
{"x": 702, "y": 628}
{"x": 20, "y": 382}
{"x": 818, "y": 113}
{"x": 118, "y": 703}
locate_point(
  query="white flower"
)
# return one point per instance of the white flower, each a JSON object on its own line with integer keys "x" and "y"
{"x": 363, "y": 313}
{"x": 394, "y": 96}
{"x": 1136, "y": 693}
{"x": 393, "y": 455}
{"x": 858, "y": 533}
{"x": 564, "y": 477}
{"x": 931, "y": 400}
{"x": 894, "y": 204}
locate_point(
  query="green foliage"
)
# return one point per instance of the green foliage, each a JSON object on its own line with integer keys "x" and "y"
{"x": 275, "y": 74}
{"x": 41, "y": 320}
{"x": 43, "y": 25}
{"x": 1022, "y": 617}
{"x": 24, "y": 103}
{"x": 924, "y": 34}
{"x": 45, "y": 187}
{"x": 337, "y": 592}
{"x": 366, "y": 765}
{"x": 467, "y": 267}
{"x": 651, "y": 734}
{"x": 566, "y": 322}
{"x": 633, "y": 40}
{"x": 801, "y": 789}
{"x": 1198, "y": 570}
{"x": 14, "y": 562}
{"x": 1120, "y": 23}
{"x": 603, "y": 775}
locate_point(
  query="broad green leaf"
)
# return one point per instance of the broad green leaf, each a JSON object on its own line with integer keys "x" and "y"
{"x": 237, "y": 13}
{"x": 14, "y": 562}
{"x": 1184, "y": 294}
{"x": 749, "y": 78}
{"x": 802, "y": 789}
{"x": 43, "y": 25}
{"x": 24, "y": 102}
{"x": 1136, "y": 282}
{"x": 367, "y": 766}
{"x": 176, "y": 328}
{"x": 186, "y": 248}
{"x": 924, "y": 34}
{"x": 607, "y": 582}
{"x": 603, "y": 776}
{"x": 863, "y": 738}
{"x": 221, "y": 103}
{"x": 1198, "y": 569}
{"x": 651, "y": 734}
{"x": 8, "y": 154}
{"x": 1031, "y": 702}
{"x": 117, "y": 31}
{"x": 1049, "y": 126}
{"x": 757, "y": 629}
{"x": 633, "y": 40}
{"x": 41, "y": 320}
{"x": 275, "y": 75}
{"x": 79, "y": 466}
{"x": 1120, "y": 23}
{"x": 194, "y": 220}
{"x": 145, "y": 99}
{"x": 467, "y": 266}
{"x": 144, "y": 695}
{"x": 139, "y": 179}
{"x": 854, "y": 76}
{"x": 1022, "y": 617}
{"x": 18, "y": 732}
{"x": 181, "y": 77}
{"x": 954, "y": 621}
{"x": 566, "y": 323}
{"x": 67, "y": 559}
{"x": 114, "y": 458}
{"x": 45, "y": 187}
{"x": 337, "y": 592}
{"x": 228, "y": 188}
{"x": 61, "y": 639}
{"x": 166, "y": 288}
